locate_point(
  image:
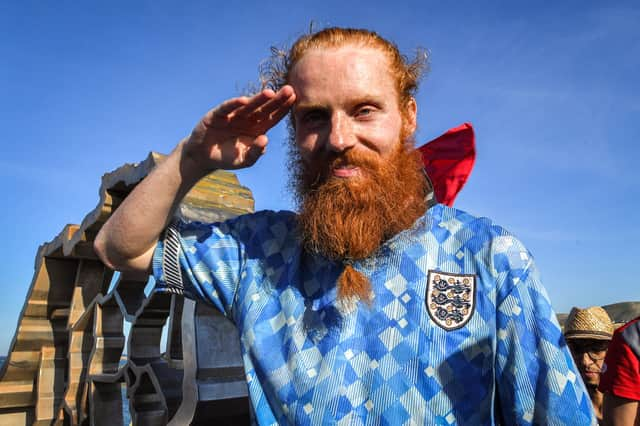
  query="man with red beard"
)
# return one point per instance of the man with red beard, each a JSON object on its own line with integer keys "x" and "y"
{"x": 372, "y": 304}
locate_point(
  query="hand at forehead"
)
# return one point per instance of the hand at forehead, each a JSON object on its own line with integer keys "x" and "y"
{"x": 253, "y": 115}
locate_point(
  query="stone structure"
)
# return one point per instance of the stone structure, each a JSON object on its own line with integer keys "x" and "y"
{"x": 69, "y": 362}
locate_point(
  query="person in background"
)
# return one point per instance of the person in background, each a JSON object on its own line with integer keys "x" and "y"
{"x": 588, "y": 333}
{"x": 620, "y": 380}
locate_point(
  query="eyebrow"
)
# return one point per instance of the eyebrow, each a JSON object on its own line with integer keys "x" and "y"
{"x": 308, "y": 107}
{"x": 362, "y": 100}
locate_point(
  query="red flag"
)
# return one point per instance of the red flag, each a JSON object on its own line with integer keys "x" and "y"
{"x": 448, "y": 161}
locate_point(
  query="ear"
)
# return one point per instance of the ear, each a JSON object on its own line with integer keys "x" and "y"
{"x": 410, "y": 116}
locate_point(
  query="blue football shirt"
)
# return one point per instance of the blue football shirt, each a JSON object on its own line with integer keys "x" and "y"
{"x": 459, "y": 329}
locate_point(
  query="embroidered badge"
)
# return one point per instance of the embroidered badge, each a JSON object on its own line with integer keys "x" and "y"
{"x": 450, "y": 298}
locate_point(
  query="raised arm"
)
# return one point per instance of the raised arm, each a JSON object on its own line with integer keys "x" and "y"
{"x": 230, "y": 136}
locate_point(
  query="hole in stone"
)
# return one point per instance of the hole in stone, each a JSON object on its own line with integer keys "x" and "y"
{"x": 163, "y": 341}
{"x": 114, "y": 281}
{"x": 126, "y": 414}
{"x": 151, "y": 283}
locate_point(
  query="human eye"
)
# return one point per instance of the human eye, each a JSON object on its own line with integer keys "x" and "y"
{"x": 365, "y": 111}
{"x": 313, "y": 117}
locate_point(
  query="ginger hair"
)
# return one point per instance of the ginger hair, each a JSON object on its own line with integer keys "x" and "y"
{"x": 276, "y": 71}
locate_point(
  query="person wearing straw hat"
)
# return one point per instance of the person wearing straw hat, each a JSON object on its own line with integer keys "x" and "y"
{"x": 588, "y": 333}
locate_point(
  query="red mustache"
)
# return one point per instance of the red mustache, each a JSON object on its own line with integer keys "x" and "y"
{"x": 321, "y": 169}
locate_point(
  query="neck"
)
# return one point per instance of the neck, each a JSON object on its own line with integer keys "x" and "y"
{"x": 596, "y": 399}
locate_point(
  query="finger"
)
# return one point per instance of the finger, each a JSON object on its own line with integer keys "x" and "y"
{"x": 255, "y": 103}
{"x": 255, "y": 150}
{"x": 283, "y": 99}
{"x": 229, "y": 106}
{"x": 278, "y": 114}
{"x": 261, "y": 142}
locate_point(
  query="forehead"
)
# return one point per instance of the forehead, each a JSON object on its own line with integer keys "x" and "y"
{"x": 334, "y": 74}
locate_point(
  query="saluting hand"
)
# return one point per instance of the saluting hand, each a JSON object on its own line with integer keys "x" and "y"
{"x": 233, "y": 135}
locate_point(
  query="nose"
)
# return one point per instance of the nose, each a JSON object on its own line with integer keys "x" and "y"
{"x": 341, "y": 137}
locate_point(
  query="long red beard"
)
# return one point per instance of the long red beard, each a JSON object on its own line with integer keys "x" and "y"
{"x": 349, "y": 219}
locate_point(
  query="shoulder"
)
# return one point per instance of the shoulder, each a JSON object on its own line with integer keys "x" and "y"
{"x": 476, "y": 232}
{"x": 242, "y": 227}
{"x": 499, "y": 256}
{"x": 263, "y": 218}
{"x": 262, "y": 226}
{"x": 630, "y": 334}
{"x": 631, "y": 327}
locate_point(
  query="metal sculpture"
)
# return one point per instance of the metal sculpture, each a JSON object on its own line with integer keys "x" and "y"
{"x": 67, "y": 363}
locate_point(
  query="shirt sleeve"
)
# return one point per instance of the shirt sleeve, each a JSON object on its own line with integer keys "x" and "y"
{"x": 622, "y": 374}
{"x": 201, "y": 261}
{"x": 536, "y": 378}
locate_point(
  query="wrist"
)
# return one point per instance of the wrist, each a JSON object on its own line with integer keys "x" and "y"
{"x": 191, "y": 168}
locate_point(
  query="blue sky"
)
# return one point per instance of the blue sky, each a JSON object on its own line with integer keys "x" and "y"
{"x": 552, "y": 90}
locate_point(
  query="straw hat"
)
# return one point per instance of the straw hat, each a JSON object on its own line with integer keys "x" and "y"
{"x": 589, "y": 323}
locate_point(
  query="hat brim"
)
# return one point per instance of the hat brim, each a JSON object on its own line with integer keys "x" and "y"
{"x": 587, "y": 335}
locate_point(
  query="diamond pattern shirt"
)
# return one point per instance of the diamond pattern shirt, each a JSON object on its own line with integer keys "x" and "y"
{"x": 428, "y": 349}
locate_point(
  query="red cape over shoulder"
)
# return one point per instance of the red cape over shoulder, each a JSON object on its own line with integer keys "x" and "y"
{"x": 448, "y": 161}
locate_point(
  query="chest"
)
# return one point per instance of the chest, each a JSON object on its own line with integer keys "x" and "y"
{"x": 311, "y": 350}
{"x": 425, "y": 306}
